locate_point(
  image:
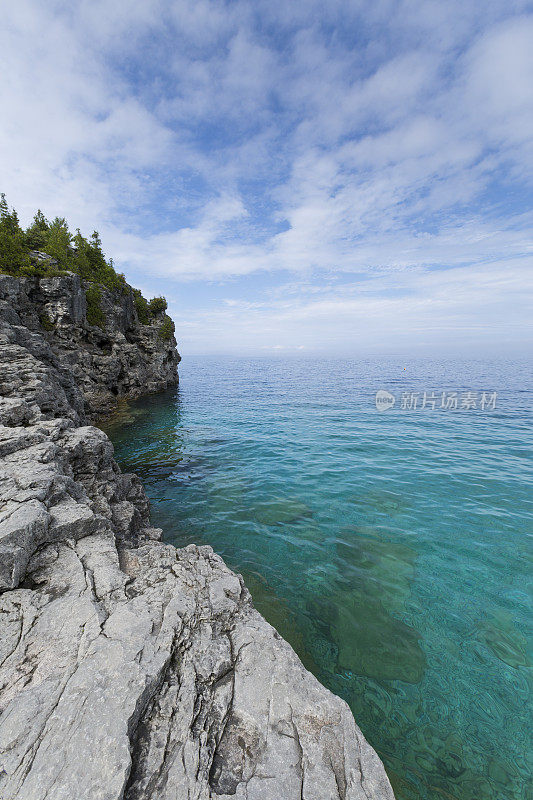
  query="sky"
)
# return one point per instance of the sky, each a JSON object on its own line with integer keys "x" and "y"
{"x": 322, "y": 178}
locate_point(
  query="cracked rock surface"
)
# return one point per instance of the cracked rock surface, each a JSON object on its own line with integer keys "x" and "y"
{"x": 129, "y": 669}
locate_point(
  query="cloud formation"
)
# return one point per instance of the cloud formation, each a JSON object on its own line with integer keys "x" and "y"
{"x": 367, "y": 161}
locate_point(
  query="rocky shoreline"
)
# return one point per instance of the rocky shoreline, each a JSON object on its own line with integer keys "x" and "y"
{"x": 129, "y": 669}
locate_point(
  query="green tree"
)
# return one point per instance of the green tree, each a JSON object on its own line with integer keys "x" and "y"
{"x": 157, "y": 305}
{"x": 99, "y": 266}
{"x": 80, "y": 258}
{"x": 36, "y": 233}
{"x": 13, "y": 251}
{"x": 96, "y": 242}
{"x": 58, "y": 242}
{"x": 85, "y": 257}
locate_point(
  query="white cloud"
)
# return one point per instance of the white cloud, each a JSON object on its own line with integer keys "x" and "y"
{"x": 73, "y": 137}
{"x": 348, "y": 137}
{"x": 452, "y": 311}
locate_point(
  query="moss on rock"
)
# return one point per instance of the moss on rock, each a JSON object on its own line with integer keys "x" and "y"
{"x": 95, "y": 315}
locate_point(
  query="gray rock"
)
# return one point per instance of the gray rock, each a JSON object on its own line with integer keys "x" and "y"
{"x": 129, "y": 669}
{"x": 23, "y": 527}
{"x": 126, "y": 359}
{"x": 14, "y": 411}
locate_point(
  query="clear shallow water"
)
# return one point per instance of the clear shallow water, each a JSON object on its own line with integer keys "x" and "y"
{"x": 393, "y": 550}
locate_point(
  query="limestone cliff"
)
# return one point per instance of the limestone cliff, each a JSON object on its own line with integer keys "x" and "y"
{"x": 129, "y": 669}
{"x": 120, "y": 358}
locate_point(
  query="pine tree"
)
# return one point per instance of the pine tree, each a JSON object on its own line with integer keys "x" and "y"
{"x": 13, "y": 251}
{"x": 4, "y": 210}
{"x": 96, "y": 242}
{"x": 85, "y": 257}
{"x": 58, "y": 242}
{"x": 99, "y": 266}
{"x": 36, "y": 232}
{"x": 80, "y": 260}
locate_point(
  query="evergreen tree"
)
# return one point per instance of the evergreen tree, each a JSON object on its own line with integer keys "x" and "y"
{"x": 58, "y": 242}
{"x": 80, "y": 260}
{"x": 96, "y": 258}
{"x": 96, "y": 242}
{"x": 4, "y": 209}
{"x": 86, "y": 257}
{"x": 36, "y": 232}
{"x": 13, "y": 251}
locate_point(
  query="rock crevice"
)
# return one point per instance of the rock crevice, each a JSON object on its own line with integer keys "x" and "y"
{"x": 129, "y": 669}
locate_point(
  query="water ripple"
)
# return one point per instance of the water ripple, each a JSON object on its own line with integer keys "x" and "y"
{"x": 390, "y": 549}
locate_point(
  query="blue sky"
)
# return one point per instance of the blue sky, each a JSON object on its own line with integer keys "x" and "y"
{"x": 304, "y": 177}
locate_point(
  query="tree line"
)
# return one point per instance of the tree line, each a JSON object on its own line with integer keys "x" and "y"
{"x": 19, "y": 257}
{"x": 72, "y": 252}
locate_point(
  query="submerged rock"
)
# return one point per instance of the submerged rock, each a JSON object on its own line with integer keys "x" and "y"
{"x": 281, "y": 510}
{"x": 367, "y": 603}
{"x": 129, "y": 669}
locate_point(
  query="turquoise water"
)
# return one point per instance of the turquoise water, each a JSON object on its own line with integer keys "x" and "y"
{"x": 393, "y": 549}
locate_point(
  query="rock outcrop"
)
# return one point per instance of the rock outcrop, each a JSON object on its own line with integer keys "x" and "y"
{"x": 122, "y": 359}
{"x": 129, "y": 669}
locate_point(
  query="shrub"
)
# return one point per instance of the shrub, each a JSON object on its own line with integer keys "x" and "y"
{"x": 40, "y": 269}
{"x": 157, "y": 305}
{"x": 46, "y": 322}
{"x": 141, "y": 307}
{"x": 95, "y": 315}
{"x": 166, "y": 331}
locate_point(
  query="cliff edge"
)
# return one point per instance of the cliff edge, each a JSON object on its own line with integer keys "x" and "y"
{"x": 118, "y": 357}
{"x": 129, "y": 669}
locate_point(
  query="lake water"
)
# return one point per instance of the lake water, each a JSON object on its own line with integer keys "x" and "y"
{"x": 391, "y": 549}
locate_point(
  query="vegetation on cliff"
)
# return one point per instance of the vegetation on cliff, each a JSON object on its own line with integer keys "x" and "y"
{"x": 166, "y": 331}
{"x": 95, "y": 315}
{"x": 20, "y": 256}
